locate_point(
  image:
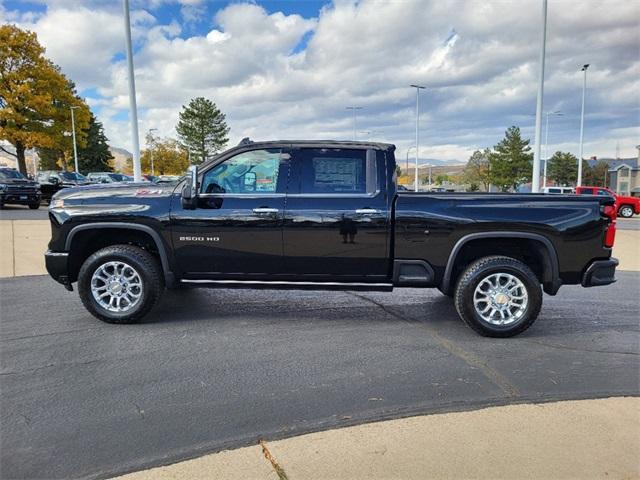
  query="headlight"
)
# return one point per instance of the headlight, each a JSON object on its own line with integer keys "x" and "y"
{"x": 56, "y": 203}
{"x": 3, "y": 187}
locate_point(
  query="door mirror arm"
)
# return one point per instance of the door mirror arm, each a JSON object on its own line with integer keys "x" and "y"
{"x": 190, "y": 189}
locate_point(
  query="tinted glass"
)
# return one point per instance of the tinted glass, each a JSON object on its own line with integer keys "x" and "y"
{"x": 8, "y": 173}
{"x": 586, "y": 191}
{"x": 335, "y": 171}
{"x": 603, "y": 192}
{"x": 250, "y": 172}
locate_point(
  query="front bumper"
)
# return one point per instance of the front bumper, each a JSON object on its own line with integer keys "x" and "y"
{"x": 600, "y": 272}
{"x": 57, "y": 264}
{"x": 20, "y": 198}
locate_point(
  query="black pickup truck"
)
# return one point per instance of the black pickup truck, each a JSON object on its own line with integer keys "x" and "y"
{"x": 325, "y": 215}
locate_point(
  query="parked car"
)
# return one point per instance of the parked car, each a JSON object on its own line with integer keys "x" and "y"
{"x": 626, "y": 206}
{"x": 52, "y": 181}
{"x": 326, "y": 216}
{"x": 150, "y": 178}
{"x": 108, "y": 177}
{"x": 168, "y": 179}
{"x": 16, "y": 189}
{"x": 558, "y": 190}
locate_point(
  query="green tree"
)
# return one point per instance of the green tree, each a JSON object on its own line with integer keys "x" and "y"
{"x": 202, "y": 128}
{"x": 442, "y": 178}
{"x": 596, "y": 175}
{"x": 511, "y": 161}
{"x": 95, "y": 156}
{"x": 476, "y": 172}
{"x": 35, "y": 97}
{"x": 169, "y": 157}
{"x": 563, "y": 168}
{"x": 49, "y": 159}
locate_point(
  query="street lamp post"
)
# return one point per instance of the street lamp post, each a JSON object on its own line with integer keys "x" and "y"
{"x": 73, "y": 133}
{"x": 133, "y": 108}
{"x": 408, "y": 150}
{"x": 150, "y": 136}
{"x": 535, "y": 178}
{"x": 546, "y": 140}
{"x": 584, "y": 90}
{"x": 355, "y": 121}
{"x": 418, "y": 88}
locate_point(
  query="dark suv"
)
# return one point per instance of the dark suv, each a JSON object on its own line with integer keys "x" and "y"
{"x": 15, "y": 188}
{"x": 52, "y": 181}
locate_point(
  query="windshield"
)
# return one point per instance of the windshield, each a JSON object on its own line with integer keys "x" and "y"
{"x": 73, "y": 176}
{"x": 119, "y": 177}
{"x": 6, "y": 174}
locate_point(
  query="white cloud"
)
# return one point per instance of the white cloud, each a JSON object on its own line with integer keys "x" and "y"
{"x": 253, "y": 65}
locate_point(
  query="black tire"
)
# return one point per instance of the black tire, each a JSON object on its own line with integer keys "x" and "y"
{"x": 145, "y": 264}
{"x": 625, "y": 211}
{"x": 34, "y": 206}
{"x": 483, "y": 268}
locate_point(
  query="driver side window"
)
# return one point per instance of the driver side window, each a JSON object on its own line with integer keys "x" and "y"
{"x": 250, "y": 172}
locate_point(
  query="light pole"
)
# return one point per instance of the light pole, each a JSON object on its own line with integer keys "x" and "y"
{"x": 535, "y": 178}
{"x": 546, "y": 140}
{"x": 73, "y": 133}
{"x": 355, "y": 110}
{"x": 418, "y": 88}
{"x": 150, "y": 141}
{"x": 408, "y": 150}
{"x": 584, "y": 90}
{"x": 133, "y": 108}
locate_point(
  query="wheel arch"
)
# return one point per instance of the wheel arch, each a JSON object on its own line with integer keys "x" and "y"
{"x": 132, "y": 227}
{"x": 550, "y": 272}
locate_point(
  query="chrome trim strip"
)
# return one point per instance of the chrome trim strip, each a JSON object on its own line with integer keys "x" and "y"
{"x": 282, "y": 282}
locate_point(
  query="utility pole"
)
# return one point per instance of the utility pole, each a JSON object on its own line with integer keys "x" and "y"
{"x": 133, "y": 108}
{"x": 584, "y": 90}
{"x": 546, "y": 140}
{"x": 150, "y": 142}
{"x": 535, "y": 178}
{"x": 355, "y": 121}
{"x": 73, "y": 133}
{"x": 418, "y": 88}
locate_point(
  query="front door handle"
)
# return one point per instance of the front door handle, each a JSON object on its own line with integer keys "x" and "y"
{"x": 265, "y": 210}
{"x": 367, "y": 211}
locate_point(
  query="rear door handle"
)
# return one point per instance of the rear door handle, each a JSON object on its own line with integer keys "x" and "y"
{"x": 265, "y": 210}
{"x": 367, "y": 211}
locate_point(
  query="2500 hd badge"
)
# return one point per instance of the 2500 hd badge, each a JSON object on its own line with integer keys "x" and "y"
{"x": 326, "y": 216}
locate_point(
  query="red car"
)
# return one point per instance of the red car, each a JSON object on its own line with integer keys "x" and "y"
{"x": 627, "y": 206}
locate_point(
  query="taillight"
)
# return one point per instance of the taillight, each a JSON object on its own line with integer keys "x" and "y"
{"x": 610, "y": 233}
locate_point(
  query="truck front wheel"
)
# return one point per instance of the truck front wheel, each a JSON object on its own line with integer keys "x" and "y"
{"x": 498, "y": 296}
{"x": 120, "y": 283}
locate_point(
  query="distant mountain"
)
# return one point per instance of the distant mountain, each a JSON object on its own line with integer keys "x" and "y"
{"x": 122, "y": 159}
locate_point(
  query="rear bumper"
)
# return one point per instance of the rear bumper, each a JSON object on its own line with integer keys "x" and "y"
{"x": 600, "y": 272}
{"x": 57, "y": 264}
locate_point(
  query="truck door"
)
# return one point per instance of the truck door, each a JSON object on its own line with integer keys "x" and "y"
{"x": 236, "y": 230}
{"x": 337, "y": 219}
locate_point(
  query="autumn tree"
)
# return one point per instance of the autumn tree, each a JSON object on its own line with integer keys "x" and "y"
{"x": 511, "y": 161}
{"x": 202, "y": 128}
{"x": 169, "y": 157}
{"x": 563, "y": 168}
{"x": 476, "y": 172}
{"x": 596, "y": 175}
{"x": 35, "y": 97}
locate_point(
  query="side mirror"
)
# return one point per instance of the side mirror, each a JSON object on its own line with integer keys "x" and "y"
{"x": 190, "y": 189}
{"x": 250, "y": 182}
{"x": 54, "y": 180}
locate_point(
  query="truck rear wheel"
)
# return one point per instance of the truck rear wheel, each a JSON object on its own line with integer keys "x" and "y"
{"x": 498, "y": 296}
{"x": 120, "y": 283}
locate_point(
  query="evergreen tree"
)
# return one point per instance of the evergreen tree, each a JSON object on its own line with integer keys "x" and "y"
{"x": 511, "y": 161}
{"x": 202, "y": 129}
{"x": 95, "y": 156}
{"x": 50, "y": 159}
{"x": 563, "y": 168}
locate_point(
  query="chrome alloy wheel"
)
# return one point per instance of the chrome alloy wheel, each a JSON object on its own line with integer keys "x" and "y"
{"x": 116, "y": 286}
{"x": 500, "y": 299}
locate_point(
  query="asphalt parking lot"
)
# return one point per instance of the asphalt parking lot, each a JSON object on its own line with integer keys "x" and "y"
{"x": 214, "y": 369}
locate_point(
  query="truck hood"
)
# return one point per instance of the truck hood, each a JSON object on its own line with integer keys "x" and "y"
{"x": 115, "y": 191}
{"x": 19, "y": 182}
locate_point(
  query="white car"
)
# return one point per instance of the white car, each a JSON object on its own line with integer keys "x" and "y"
{"x": 558, "y": 190}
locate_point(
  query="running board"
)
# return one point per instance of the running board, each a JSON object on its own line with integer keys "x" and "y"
{"x": 287, "y": 285}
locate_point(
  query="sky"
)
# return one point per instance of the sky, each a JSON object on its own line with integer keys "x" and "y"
{"x": 289, "y": 69}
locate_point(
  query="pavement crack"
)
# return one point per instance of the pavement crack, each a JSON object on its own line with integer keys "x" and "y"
{"x": 282, "y": 475}
{"x": 470, "y": 359}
